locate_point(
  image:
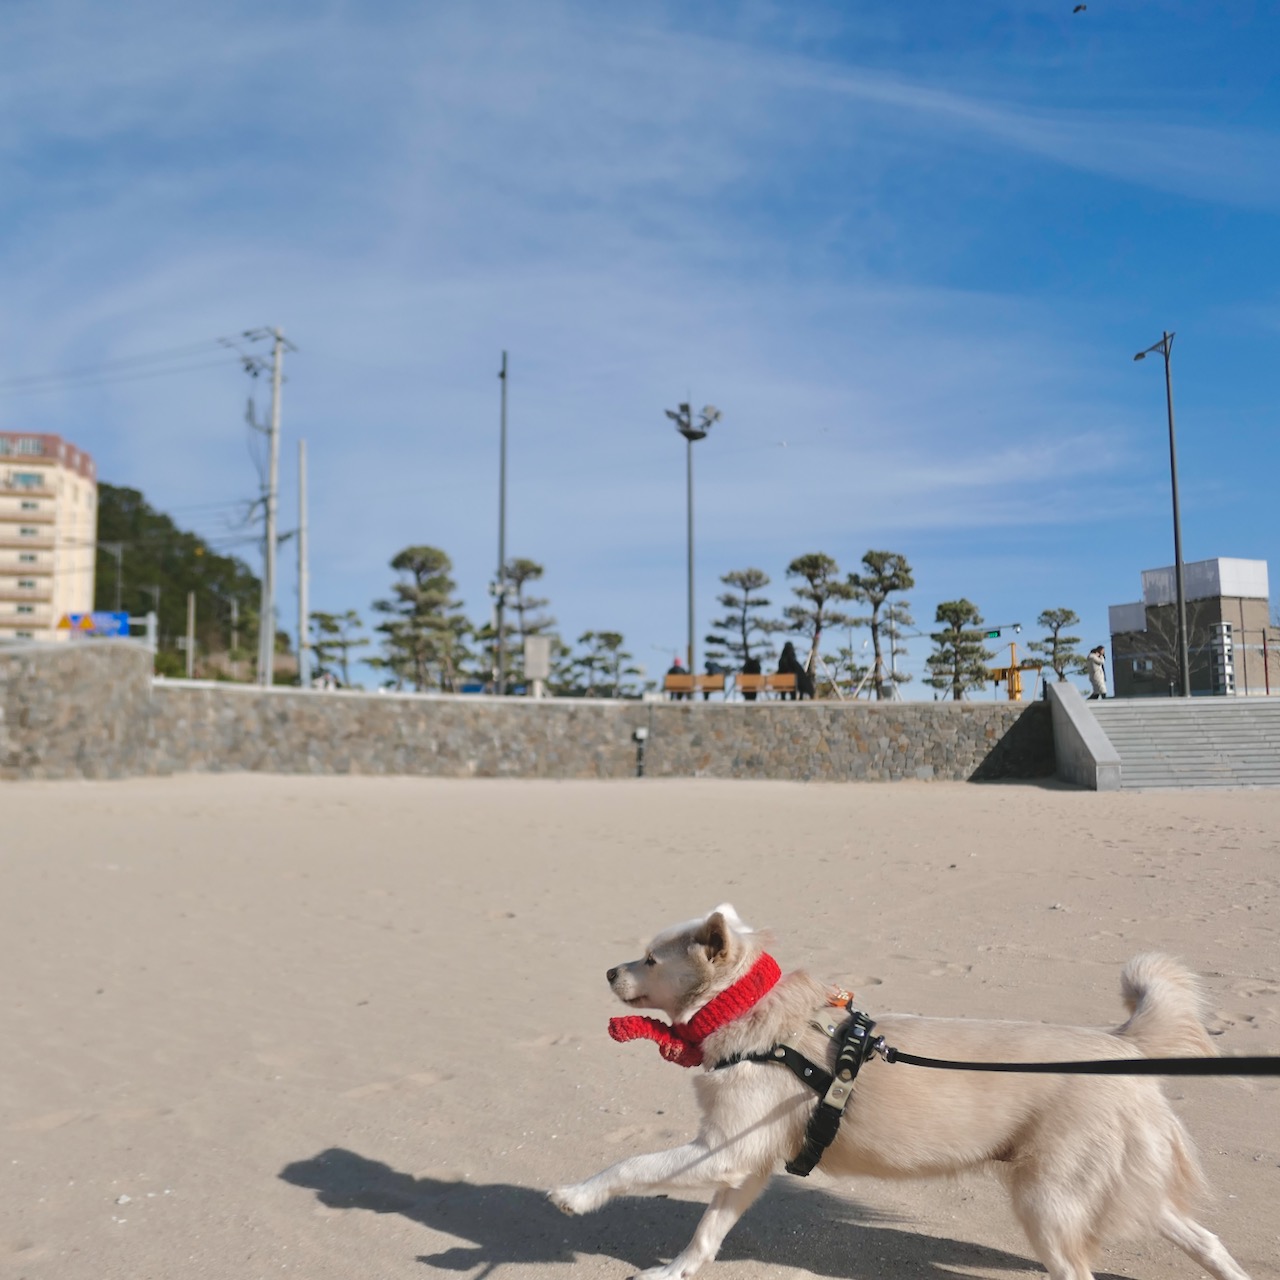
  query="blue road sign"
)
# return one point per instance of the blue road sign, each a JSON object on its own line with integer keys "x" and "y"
{"x": 95, "y": 624}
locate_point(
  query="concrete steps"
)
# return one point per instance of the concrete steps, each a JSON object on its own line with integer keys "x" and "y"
{"x": 1196, "y": 742}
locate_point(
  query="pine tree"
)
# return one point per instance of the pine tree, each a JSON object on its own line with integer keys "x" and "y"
{"x": 335, "y": 638}
{"x": 847, "y": 667}
{"x": 603, "y": 668}
{"x": 822, "y": 586}
{"x": 741, "y": 633}
{"x": 563, "y": 681}
{"x": 529, "y": 621}
{"x": 883, "y": 574}
{"x": 1058, "y": 650}
{"x": 896, "y": 620}
{"x": 959, "y": 661}
{"x": 425, "y": 630}
{"x": 616, "y": 663}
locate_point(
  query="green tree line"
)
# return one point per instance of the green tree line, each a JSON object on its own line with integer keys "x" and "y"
{"x": 422, "y": 639}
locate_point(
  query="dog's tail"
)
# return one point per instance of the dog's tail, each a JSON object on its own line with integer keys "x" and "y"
{"x": 1166, "y": 1009}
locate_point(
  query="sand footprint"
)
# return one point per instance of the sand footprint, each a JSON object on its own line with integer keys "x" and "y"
{"x": 50, "y": 1120}
{"x": 416, "y": 1080}
{"x": 546, "y": 1041}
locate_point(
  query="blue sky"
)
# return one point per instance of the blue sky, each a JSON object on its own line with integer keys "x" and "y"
{"x": 909, "y": 250}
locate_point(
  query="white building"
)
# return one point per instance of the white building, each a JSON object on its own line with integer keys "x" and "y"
{"x": 48, "y": 530}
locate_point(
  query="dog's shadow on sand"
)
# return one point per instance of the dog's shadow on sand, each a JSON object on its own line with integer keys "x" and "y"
{"x": 805, "y": 1228}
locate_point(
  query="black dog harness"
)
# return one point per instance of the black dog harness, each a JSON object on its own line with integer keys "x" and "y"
{"x": 854, "y": 1045}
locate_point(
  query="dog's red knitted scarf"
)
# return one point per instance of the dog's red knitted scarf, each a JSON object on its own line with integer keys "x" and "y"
{"x": 681, "y": 1042}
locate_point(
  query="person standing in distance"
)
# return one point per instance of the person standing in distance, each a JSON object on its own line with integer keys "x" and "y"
{"x": 1096, "y": 668}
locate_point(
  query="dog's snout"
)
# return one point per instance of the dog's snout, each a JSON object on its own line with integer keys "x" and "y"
{"x": 611, "y": 974}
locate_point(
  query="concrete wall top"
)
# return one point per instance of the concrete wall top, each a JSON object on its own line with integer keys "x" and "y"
{"x": 92, "y": 710}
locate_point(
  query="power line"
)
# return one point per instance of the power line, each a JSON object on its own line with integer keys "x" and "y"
{"x": 106, "y": 366}
{"x": 70, "y": 383}
{"x": 127, "y": 368}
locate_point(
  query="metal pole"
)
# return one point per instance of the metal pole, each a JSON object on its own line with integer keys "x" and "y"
{"x": 235, "y": 636}
{"x": 116, "y": 549}
{"x": 304, "y": 617}
{"x": 500, "y": 646}
{"x": 1184, "y": 664}
{"x": 191, "y": 634}
{"x": 154, "y": 632}
{"x": 689, "y": 455}
{"x": 1244, "y": 651}
{"x": 267, "y": 623}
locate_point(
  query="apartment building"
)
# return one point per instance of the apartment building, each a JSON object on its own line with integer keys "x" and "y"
{"x": 48, "y": 526}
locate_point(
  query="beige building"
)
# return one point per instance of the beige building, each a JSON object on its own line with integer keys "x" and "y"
{"x": 1144, "y": 634}
{"x": 48, "y": 527}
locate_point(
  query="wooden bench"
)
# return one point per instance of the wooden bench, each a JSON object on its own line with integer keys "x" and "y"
{"x": 689, "y": 686}
{"x": 775, "y": 683}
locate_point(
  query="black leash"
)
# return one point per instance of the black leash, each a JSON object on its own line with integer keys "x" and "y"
{"x": 1257, "y": 1066}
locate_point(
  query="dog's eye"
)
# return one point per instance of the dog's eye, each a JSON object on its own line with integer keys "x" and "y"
{"x": 651, "y": 959}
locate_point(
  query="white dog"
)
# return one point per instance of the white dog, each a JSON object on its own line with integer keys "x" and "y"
{"x": 1084, "y": 1157}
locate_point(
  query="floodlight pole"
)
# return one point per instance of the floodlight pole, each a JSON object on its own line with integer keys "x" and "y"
{"x": 500, "y": 586}
{"x": 692, "y": 430}
{"x": 689, "y": 486}
{"x": 1184, "y": 665}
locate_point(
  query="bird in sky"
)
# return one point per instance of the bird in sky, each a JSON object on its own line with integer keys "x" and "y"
{"x": 1080, "y": 8}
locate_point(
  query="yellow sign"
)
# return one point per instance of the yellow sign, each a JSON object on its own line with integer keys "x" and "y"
{"x": 64, "y": 623}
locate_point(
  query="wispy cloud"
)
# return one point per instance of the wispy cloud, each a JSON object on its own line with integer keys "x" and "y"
{"x": 1217, "y": 165}
{"x": 407, "y": 191}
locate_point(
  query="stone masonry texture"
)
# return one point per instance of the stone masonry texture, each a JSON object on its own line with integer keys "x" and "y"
{"x": 90, "y": 709}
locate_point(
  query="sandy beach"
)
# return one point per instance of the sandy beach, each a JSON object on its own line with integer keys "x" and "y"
{"x": 336, "y": 1027}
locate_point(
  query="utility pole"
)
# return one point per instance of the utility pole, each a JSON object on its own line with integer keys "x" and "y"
{"x": 267, "y": 620}
{"x": 191, "y": 634}
{"x": 500, "y": 588}
{"x": 116, "y": 549}
{"x": 235, "y": 636}
{"x": 304, "y": 633}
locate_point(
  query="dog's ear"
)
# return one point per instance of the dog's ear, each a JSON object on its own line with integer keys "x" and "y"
{"x": 714, "y": 935}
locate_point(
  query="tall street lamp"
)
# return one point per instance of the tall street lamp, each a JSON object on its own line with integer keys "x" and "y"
{"x": 1184, "y": 666}
{"x": 499, "y": 587}
{"x": 691, "y": 430}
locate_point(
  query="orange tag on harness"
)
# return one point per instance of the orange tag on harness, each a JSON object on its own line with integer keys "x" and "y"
{"x": 839, "y": 998}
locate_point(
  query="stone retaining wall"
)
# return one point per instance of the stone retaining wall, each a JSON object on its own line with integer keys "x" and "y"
{"x": 90, "y": 710}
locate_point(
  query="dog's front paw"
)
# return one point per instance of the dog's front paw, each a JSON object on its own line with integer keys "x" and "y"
{"x": 576, "y": 1199}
